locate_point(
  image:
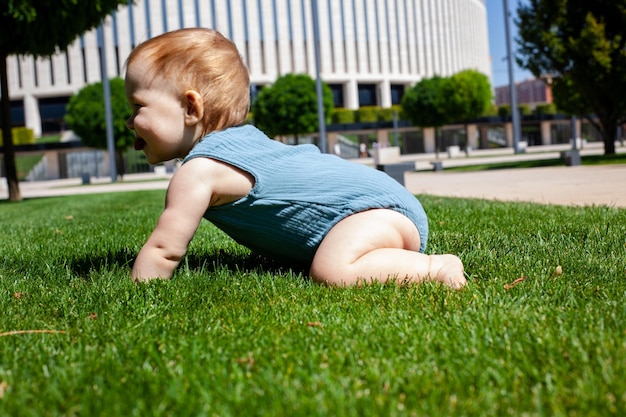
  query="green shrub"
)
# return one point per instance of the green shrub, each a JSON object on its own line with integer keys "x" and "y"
{"x": 524, "y": 109}
{"x": 491, "y": 111}
{"x": 545, "y": 109}
{"x": 21, "y": 136}
{"x": 367, "y": 114}
{"x": 504, "y": 111}
{"x": 343, "y": 116}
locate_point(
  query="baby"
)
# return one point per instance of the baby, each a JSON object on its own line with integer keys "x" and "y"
{"x": 348, "y": 223}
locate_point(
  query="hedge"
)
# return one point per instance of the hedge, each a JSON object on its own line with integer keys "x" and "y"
{"x": 21, "y": 136}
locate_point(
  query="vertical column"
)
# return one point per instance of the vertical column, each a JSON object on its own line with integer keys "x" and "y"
{"x": 350, "y": 39}
{"x": 253, "y": 51}
{"x": 280, "y": 27}
{"x": 124, "y": 36}
{"x": 31, "y": 114}
{"x": 382, "y": 137}
{"x": 427, "y": 41}
{"x": 237, "y": 29}
{"x": 429, "y": 139}
{"x": 546, "y": 132}
{"x": 472, "y": 136}
{"x": 298, "y": 44}
{"x": 352, "y": 94}
{"x": 508, "y": 132}
{"x": 384, "y": 88}
{"x": 92, "y": 58}
{"x": 337, "y": 41}
{"x": 360, "y": 37}
{"x": 107, "y": 29}
{"x": 268, "y": 41}
{"x": 387, "y": 53}
{"x": 42, "y": 66}
{"x": 370, "y": 38}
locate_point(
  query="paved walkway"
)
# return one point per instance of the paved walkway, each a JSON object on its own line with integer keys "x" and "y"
{"x": 575, "y": 185}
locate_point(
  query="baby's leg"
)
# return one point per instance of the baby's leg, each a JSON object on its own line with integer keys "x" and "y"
{"x": 380, "y": 245}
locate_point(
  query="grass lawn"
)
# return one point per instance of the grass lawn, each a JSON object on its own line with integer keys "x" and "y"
{"x": 234, "y": 336}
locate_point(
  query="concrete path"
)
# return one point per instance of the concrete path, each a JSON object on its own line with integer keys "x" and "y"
{"x": 72, "y": 186}
{"x": 575, "y": 185}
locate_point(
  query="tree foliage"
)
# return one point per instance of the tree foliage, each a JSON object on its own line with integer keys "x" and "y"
{"x": 40, "y": 28}
{"x": 425, "y": 104}
{"x": 581, "y": 45}
{"x": 86, "y": 117}
{"x": 437, "y": 101}
{"x": 289, "y": 106}
{"x": 468, "y": 95}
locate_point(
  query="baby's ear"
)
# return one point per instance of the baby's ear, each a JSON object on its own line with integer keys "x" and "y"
{"x": 194, "y": 107}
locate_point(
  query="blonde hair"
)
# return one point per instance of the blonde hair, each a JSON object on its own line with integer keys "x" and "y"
{"x": 205, "y": 61}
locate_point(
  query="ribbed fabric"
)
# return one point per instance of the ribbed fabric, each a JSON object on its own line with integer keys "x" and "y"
{"x": 299, "y": 193}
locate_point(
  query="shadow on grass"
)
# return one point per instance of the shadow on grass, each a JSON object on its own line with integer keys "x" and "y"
{"x": 204, "y": 262}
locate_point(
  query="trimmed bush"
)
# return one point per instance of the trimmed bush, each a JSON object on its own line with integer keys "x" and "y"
{"x": 545, "y": 109}
{"x": 524, "y": 109}
{"x": 343, "y": 116}
{"x": 504, "y": 111}
{"x": 21, "y": 136}
{"x": 491, "y": 111}
{"x": 367, "y": 114}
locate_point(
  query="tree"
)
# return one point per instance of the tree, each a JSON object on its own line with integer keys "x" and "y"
{"x": 289, "y": 106}
{"x": 581, "y": 45}
{"x": 85, "y": 116}
{"x": 426, "y": 105}
{"x": 39, "y": 28}
{"x": 468, "y": 96}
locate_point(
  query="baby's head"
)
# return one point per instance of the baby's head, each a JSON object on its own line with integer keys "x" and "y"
{"x": 205, "y": 61}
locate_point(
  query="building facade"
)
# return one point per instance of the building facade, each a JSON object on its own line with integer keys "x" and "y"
{"x": 530, "y": 92}
{"x": 370, "y": 50}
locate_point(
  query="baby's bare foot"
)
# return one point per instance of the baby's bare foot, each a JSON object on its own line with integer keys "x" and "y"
{"x": 447, "y": 269}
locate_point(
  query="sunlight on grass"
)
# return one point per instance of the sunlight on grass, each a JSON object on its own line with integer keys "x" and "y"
{"x": 233, "y": 335}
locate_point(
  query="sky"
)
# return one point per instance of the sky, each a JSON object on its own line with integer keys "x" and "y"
{"x": 497, "y": 42}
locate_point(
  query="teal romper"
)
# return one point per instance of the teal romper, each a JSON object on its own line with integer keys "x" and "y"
{"x": 299, "y": 193}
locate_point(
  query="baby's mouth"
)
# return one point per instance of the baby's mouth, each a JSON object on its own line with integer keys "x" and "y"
{"x": 139, "y": 143}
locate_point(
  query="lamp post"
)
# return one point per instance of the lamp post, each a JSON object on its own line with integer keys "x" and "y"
{"x": 512, "y": 89}
{"x": 108, "y": 112}
{"x": 318, "y": 81}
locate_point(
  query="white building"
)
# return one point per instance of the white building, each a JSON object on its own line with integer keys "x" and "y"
{"x": 371, "y": 50}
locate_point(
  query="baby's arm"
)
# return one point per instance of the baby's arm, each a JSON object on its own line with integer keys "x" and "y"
{"x": 188, "y": 197}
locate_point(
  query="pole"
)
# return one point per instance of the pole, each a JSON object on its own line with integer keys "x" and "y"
{"x": 574, "y": 133}
{"x": 318, "y": 81}
{"x": 512, "y": 89}
{"x": 395, "y": 128}
{"x": 108, "y": 112}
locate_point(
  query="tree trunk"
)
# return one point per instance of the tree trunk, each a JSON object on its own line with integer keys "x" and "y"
{"x": 7, "y": 136}
{"x": 610, "y": 135}
{"x": 119, "y": 164}
{"x": 607, "y": 125}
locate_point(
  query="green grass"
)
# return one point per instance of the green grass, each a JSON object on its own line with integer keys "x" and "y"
{"x": 25, "y": 163}
{"x": 55, "y": 138}
{"x": 234, "y": 336}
